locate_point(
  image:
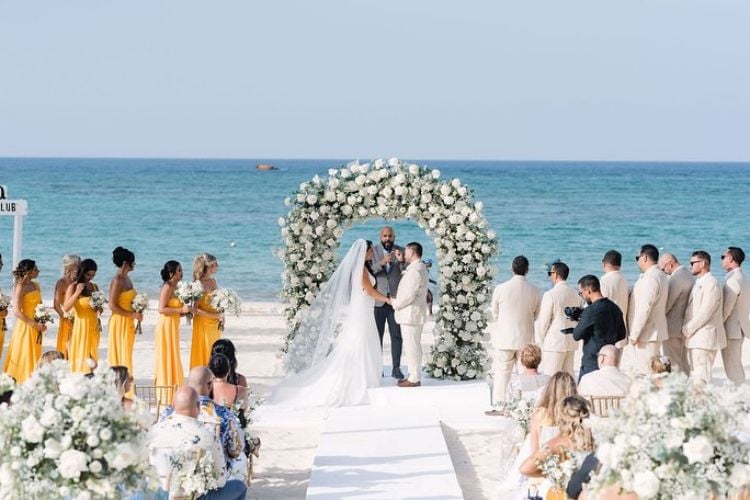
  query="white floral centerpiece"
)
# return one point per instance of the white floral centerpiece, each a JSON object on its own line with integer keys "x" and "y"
{"x": 4, "y": 306}
{"x": 322, "y": 208}
{"x": 189, "y": 292}
{"x": 139, "y": 305}
{"x": 67, "y": 436}
{"x": 672, "y": 439}
{"x": 226, "y": 301}
{"x": 193, "y": 474}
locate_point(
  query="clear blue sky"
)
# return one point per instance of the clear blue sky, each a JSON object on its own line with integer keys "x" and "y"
{"x": 634, "y": 80}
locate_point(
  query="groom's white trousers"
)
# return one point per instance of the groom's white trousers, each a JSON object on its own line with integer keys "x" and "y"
{"x": 412, "y": 335}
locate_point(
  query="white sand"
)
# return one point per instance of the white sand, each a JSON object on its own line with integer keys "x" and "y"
{"x": 287, "y": 453}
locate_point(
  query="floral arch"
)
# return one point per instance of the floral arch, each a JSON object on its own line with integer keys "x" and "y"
{"x": 322, "y": 208}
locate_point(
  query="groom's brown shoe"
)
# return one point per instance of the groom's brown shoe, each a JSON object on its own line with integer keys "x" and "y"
{"x": 408, "y": 383}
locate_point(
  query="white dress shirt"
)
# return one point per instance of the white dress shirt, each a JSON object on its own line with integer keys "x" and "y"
{"x": 606, "y": 381}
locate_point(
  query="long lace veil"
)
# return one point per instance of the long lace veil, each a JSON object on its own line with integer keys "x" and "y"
{"x": 318, "y": 331}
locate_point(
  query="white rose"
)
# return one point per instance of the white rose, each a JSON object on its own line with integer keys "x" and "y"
{"x": 73, "y": 385}
{"x": 354, "y": 167}
{"x": 437, "y": 373}
{"x": 52, "y": 448}
{"x": 31, "y": 430}
{"x": 740, "y": 476}
{"x": 95, "y": 466}
{"x": 312, "y": 199}
{"x": 345, "y": 174}
{"x": 72, "y": 463}
{"x": 491, "y": 234}
{"x": 303, "y": 186}
{"x": 16, "y": 451}
{"x": 435, "y": 174}
{"x": 338, "y": 233}
{"x": 360, "y": 180}
{"x": 698, "y": 449}
{"x": 400, "y": 190}
{"x": 445, "y": 190}
{"x": 479, "y": 206}
{"x": 123, "y": 456}
{"x": 371, "y": 190}
{"x": 66, "y": 442}
{"x": 456, "y": 183}
{"x": 6, "y": 475}
{"x": 300, "y": 197}
{"x": 393, "y": 162}
{"x": 332, "y": 172}
{"x": 646, "y": 484}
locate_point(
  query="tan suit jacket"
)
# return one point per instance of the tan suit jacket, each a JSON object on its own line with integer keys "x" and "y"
{"x": 681, "y": 283}
{"x": 614, "y": 286}
{"x": 737, "y": 304}
{"x": 647, "y": 319}
{"x": 515, "y": 305}
{"x": 552, "y": 319}
{"x": 411, "y": 303}
{"x": 704, "y": 325}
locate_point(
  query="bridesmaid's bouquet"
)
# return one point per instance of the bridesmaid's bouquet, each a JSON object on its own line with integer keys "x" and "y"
{"x": 226, "y": 301}
{"x": 139, "y": 304}
{"x": 97, "y": 301}
{"x": 189, "y": 293}
{"x": 43, "y": 315}
{"x": 4, "y": 305}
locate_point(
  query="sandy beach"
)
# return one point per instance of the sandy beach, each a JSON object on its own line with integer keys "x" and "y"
{"x": 283, "y": 470}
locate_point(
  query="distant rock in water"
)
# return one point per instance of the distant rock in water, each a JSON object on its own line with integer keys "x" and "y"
{"x": 264, "y": 167}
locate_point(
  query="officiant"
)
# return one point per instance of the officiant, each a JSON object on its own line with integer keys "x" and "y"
{"x": 387, "y": 265}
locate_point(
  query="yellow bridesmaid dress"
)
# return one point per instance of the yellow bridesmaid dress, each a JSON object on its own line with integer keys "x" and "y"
{"x": 168, "y": 370}
{"x": 25, "y": 347}
{"x": 205, "y": 333}
{"x": 63, "y": 336}
{"x": 122, "y": 333}
{"x": 84, "y": 339}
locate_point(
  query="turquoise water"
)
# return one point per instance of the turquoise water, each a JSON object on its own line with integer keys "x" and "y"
{"x": 174, "y": 209}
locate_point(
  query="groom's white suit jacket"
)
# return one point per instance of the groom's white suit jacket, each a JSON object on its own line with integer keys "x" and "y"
{"x": 411, "y": 303}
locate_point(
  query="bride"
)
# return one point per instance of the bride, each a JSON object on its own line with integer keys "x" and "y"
{"x": 335, "y": 356}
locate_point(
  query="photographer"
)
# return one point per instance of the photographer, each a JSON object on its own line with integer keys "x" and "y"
{"x": 599, "y": 324}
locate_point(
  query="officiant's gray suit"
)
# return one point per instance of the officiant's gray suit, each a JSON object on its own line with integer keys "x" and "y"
{"x": 388, "y": 279}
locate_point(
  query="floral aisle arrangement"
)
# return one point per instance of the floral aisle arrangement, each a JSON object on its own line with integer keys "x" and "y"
{"x": 189, "y": 292}
{"x": 193, "y": 474}
{"x": 139, "y": 305}
{"x": 67, "y": 436}
{"x": 674, "y": 439}
{"x": 226, "y": 301}
{"x": 4, "y": 305}
{"x": 518, "y": 409}
{"x": 97, "y": 301}
{"x": 445, "y": 209}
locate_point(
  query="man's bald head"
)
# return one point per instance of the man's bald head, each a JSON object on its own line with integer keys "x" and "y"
{"x": 668, "y": 263}
{"x": 185, "y": 401}
{"x": 608, "y": 355}
{"x": 387, "y": 237}
{"x": 201, "y": 379}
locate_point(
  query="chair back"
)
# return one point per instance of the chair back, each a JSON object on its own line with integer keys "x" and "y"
{"x": 602, "y": 406}
{"x": 156, "y": 397}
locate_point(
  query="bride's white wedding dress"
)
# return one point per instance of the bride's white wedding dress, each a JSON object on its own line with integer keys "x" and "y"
{"x": 335, "y": 356}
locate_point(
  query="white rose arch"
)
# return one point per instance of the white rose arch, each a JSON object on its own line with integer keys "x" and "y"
{"x": 324, "y": 207}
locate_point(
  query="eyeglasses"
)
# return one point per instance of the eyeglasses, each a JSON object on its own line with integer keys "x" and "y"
{"x": 692, "y": 262}
{"x": 550, "y": 273}
{"x": 722, "y": 257}
{"x": 637, "y": 258}
{"x": 580, "y": 294}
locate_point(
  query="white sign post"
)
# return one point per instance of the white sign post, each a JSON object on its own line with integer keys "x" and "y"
{"x": 18, "y": 209}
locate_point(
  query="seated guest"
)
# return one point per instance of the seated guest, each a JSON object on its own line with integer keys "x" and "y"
{"x": 180, "y": 432}
{"x": 123, "y": 384}
{"x": 224, "y": 392}
{"x": 529, "y": 382}
{"x": 48, "y": 357}
{"x": 659, "y": 365}
{"x": 608, "y": 380}
{"x": 226, "y": 347}
{"x": 582, "y": 476}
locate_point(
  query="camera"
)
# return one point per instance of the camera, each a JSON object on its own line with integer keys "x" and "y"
{"x": 573, "y": 313}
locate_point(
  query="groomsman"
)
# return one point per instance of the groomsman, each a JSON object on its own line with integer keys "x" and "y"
{"x": 704, "y": 325}
{"x": 614, "y": 284}
{"x": 647, "y": 320}
{"x": 410, "y": 307}
{"x": 736, "y": 313}
{"x": 515, "y": 305}
{"x": 680, "y": 284}
{"x": 558, "y": 349}
{"x": 387, "y": 263}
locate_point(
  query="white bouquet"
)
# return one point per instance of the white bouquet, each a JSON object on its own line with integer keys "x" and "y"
{"x": 96, "y": 302}
{"x": 557, "y": 470}
{"x": 139, "y": 304}
{"x": 193, "y": 473}
{"x": 4, "y": 305}
{"x": 520, "y": 410}
{"x": 673, "y": 439}
{"x": 67, "y": 436}
{"x": 189, "y": 293}
{"x": 43, "y": 315}
{"x": 226, "y": 300}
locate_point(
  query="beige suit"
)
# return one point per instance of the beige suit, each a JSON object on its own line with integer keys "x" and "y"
{"x": 515, "y": 305}
{"x": 736, "y": 315}
{"x": 681, "y": 283}
{"x": 410, "y": 308}
{"x": 614, "y": 286}
{"x": 558, "y": 348}
{"x": 647, "y": 320}
{"x": 704, "y": 326}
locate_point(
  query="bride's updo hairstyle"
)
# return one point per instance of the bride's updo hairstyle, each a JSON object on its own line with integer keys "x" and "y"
{"x": 574, "y": 411}
{"x": 121, "y": 256}
{"x": 201, "y": 264}
{"x": 559, "y": 387}
{"x": 23, "y": 269}
{"x": 169, "y": 270}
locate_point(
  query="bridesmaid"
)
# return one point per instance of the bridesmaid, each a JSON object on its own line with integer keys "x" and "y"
{"x": 122, "y": 322}
{"x": 70, "y": 265}
{"x": 84, "y": 340}
{"x": 206, "y": 321}
{"x": 168, "y": 370}
{"x": 25, "y": 347}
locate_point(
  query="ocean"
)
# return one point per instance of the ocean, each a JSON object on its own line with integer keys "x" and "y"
{"x": 174, "y": 209}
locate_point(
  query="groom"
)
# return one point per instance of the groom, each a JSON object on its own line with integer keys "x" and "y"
{"x": 410, "y": 307}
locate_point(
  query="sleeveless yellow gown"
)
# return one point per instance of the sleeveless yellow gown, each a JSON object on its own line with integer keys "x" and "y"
{"x": 84, "y": 339}
{"x": 63, "y": 336}
{"x": 168, "y": 370}
{"x": 25, "y": 347}
{"x": 122, "y": 333}
{"x": 205, "y": 333}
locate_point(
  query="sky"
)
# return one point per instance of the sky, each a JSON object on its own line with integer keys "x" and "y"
{"x": 426, "y": 79}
